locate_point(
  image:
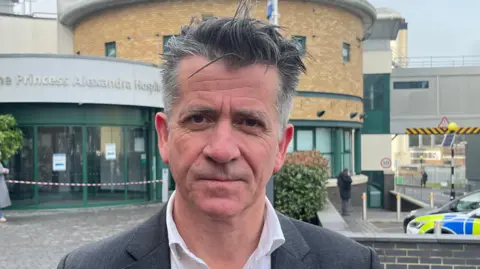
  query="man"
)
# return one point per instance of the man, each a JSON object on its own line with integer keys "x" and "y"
{"x": 424, "y": 178}
{"x": 344, "y": 183}
{"x": 229, "y": 86}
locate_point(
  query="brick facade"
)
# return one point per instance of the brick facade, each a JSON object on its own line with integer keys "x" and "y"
{"x": 425, "y": 251}
{"x": 325, "y": 27}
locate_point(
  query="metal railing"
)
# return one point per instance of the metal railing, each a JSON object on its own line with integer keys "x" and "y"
{"x": 436, "y": 61}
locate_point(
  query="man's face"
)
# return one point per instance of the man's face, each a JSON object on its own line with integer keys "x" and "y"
{"x": 223, "y": 140}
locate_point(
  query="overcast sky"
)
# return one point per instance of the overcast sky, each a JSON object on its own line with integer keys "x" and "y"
{"x": 439, "y": 27}
{"x": 435, "y": 27}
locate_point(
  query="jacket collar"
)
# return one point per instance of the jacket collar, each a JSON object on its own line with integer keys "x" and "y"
{"x": 149, "y": 245}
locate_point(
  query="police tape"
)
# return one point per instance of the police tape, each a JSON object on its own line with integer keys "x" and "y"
{"x": 83, "y": 184}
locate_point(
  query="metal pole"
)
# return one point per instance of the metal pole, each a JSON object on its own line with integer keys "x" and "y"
{"x": 431, "y": 199}
{"x": 364, "y": 209}
{"x": 275, "y": 13}
{"x": 352, "y": 150}
{"x": 452, "y": 187}
{"x": 399, "y": 206}
{"x": 437, "y": 229}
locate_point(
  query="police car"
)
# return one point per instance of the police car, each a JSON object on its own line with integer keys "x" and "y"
{"x": 452, "y": 223}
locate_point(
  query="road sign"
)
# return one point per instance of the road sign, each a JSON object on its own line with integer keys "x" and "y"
{"x": 386, "y": 163}
{"x": 443, "y": 123}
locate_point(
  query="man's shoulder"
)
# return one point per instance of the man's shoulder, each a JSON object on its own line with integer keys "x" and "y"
{"x": 108, "y": 253}
{"x": 339, "y": 248}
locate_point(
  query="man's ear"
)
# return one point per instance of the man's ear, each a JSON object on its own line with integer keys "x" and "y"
{"x": 162, "y": 134}
{"x": 282, "y": 147}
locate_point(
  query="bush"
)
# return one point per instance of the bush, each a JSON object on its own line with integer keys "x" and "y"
{"x": 11, "y": 138}
{"x": 300, "y": 186}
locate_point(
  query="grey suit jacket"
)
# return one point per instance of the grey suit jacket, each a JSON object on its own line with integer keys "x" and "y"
{"x": 146, "y": 247}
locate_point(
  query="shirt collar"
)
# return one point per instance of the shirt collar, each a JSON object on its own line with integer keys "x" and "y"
{"x": 272, "y": 235}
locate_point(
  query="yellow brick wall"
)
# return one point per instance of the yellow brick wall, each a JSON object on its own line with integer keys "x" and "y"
{"x": 325, "y": 27}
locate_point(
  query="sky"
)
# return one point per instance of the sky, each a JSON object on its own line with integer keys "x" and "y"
{"x": 435, "y": 27}
{"x": 439, "y": 27}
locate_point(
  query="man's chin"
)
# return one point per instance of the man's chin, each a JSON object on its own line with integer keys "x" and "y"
{"x": 220, "y": 207}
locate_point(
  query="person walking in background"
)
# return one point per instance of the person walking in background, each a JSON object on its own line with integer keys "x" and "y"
{"x": 4, "y": 195}
{"x": 344, "y": 183}
{"x": 424, "y": 178}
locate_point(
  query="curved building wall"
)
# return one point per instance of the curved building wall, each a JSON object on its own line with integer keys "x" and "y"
{"x": 325, "y": 28}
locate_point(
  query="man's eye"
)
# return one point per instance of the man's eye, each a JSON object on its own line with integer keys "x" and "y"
{"x": 251, "y": 122}
{"x": 197, "y": 118}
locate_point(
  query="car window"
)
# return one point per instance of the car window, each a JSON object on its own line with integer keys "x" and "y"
{"x": 469, "y": 202}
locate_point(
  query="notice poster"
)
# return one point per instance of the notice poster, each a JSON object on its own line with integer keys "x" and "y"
{"x": 59, "y": 162}
{"x": 139, "y": 144}
{"x": 110, "y": 151}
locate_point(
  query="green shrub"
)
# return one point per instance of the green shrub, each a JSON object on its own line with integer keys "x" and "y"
{"x": 11, "y": 138}
{"x": 300, "y": 190}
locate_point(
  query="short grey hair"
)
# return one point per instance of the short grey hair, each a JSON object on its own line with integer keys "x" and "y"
{"x": 239, "y": 42}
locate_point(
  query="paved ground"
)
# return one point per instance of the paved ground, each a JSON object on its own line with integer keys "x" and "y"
{"x": 39, "y": 240}
{"x": 441, "y": 196}
{"x": 378, "y": 220}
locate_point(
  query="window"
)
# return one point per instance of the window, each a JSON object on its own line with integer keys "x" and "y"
{"x": 402, "y": 85}
{"x": 373, "y": 98}
{"x": 323, "y": 143}
{"x": 426, "y": 141}
{"x": 21, "y": 168}
{"x": 304, "y": 140}
{"x": 438, "y": 140}
{"x": 165, "y": 41}
{"x": 413, "y": 141}
{"x": 111, "y": 49}
{"x": 469, "y": 202}
{"x": 374, "y": 88}
{"x": 347, "y": 149}
{"x": 346, "y": 52}
{"x": 301, "y": 42}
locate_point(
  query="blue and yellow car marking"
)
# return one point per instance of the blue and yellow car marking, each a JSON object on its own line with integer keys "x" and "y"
{"x": 456, "y": 223}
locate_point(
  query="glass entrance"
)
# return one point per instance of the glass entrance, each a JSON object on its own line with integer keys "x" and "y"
{"x": 59, "y": 165}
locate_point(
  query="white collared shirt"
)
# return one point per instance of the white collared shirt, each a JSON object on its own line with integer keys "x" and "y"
{"x": 271, "y": 239}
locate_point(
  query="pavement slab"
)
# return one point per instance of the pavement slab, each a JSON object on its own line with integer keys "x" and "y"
{"x": 40, "y": 239}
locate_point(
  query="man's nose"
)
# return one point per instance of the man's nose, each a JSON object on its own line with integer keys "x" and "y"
{"x": 222, "y": 146}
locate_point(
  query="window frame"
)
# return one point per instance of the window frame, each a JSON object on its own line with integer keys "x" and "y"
{"x": 110, "y": 45}
{"x": 314, "y": 131}
{"x": 346, "y": 58}
{"x": 411, "y": 85}
{"x": 302, "y": 40}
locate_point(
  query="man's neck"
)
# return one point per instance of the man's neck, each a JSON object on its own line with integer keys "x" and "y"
{"x": 227, "y": 241}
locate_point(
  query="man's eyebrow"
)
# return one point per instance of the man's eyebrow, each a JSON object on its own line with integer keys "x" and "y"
{"x": 198, "y": 109}
{"x": 258, "y": 114}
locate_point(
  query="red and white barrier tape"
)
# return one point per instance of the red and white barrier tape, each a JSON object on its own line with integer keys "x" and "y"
{"x": 83, "y": 184}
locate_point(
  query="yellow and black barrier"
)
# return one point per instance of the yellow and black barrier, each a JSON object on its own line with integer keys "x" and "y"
{"x": 440, "y": 131}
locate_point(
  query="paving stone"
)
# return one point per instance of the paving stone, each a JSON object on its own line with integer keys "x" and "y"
{"x": 40, "y": 239}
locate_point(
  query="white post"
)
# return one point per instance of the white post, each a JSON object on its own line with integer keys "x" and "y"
{"x": 437, "y": 229}
{"x": 164, "y": 185}
{"x": 352, "y": 150}
{"x": 399, "y": 206}
{"x": 431, "y": 200}
{"x": 154, "y": 177}
{"x": 364, "y": 209}
{"x": 275, "y": 13}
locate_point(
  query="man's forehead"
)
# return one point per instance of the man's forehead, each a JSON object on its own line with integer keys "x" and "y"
{"x": 197, "y": 69}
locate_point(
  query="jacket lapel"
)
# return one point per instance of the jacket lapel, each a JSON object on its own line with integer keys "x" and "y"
{"x": 291, "y": 253}
{"x": 149, "y": 245}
